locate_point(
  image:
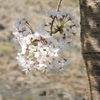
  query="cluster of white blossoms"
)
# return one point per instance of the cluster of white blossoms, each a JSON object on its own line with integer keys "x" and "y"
{"x": 38, "y": 50}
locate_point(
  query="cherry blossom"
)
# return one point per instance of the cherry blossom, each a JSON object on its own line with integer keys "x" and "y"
{"x": 38, "y": 50}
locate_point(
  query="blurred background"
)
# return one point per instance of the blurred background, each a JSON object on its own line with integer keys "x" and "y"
{"x": 14, "y": 84}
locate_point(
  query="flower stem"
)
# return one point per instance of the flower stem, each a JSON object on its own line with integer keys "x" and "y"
{"x": 30, "y": 27}
{"x": 58, "y": 6}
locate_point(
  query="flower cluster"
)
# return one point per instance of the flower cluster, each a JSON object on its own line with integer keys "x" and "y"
{"x": 65, "y": 23}
{"x": 41, "y": 51}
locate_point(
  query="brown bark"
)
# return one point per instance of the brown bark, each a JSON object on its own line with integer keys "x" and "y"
{"x": 90, "y": 39}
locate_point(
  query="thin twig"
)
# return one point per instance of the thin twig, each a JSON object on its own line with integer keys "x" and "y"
{"x": 58, "y": 6}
